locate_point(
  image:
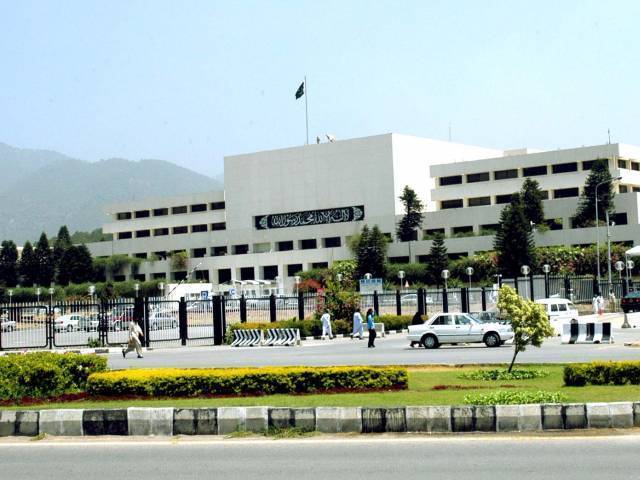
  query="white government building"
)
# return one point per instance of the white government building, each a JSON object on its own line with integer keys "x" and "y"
{"x": 288, "y": 210}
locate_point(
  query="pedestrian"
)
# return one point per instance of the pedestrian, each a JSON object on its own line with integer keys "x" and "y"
{"x": 357, "y": 324}
{"x": 135, "y": 332}
{"x": 594, "y": 304}
{"x": 600, "y": 305}
{"x": 371, "y": 326}
{"x": 326, "y": 325}
{"x": 416, "y": 320}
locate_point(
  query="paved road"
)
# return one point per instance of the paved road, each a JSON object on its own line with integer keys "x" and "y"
{"x": 461, "y": 457}
{"x": 391, "y": 350}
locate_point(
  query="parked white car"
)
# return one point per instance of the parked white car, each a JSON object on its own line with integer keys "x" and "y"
{"x": 68, "y": 323}
{"x": 458, "y": 328}
{"x": 560, "y": 311}
{"x": 162, "y": 320}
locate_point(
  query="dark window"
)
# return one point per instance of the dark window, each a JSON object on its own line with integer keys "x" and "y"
{"x": 218, "y": 251}
{"x": 544, "y": 194}
{"x": 270, "y": 272}
{"x": 119, "y": 278}
{"x": 432, "y": 232}
{"x": 446, "y": 204}
{"x": 202, "y": 275}
{"x": 423, "y": 259}
{"x": 622, "y": 189}
{"x": 505, "y": 174}
{"x": 140, "y": 277}
{"x": 452, "y": 180}
{"x": 478, "y": 177}
{"x": 217, "y": 205}
{"x": 199, "y": 207}
{"x": 620, "y": 218}
{"x": 159, "y": 232}
{"x": 622, "y": 163}
{"x": 636, "y": 189}
{"x": 180, "y": 230}
{"x": 182, "y": 275}
{"x": 179, "y": 210}
{"x": 500, "y": 199}
{"x": 199, "y": 252}
{"x": 160, "y": 212}
{"x": 161, "y": 255}
{"x": 123, "y": 216}
{"x": 320, "y": 265}
{"x": 388, "y": 236}
{"x": 489, "y": 229}
{"x": 564, "y": 167}
{"x": 240, "y": 249}
{"x": 413, "y": 236}
{"x": 566, "y": 192}
{"x": 142, "y": 214}
{"x": 331, "y": 242}
{"x": 143, "y": 233}
{"x": 554, "y": 223}
{"x": 479, "y": 201}
{"x": 140, "y": 255}
{"x": 124, "y": 235}
{"x": 294, "y": 269}
{"x": 224, "y": 275}
{"x": 465, "y": 231}
{"x": 285, "y": 246}
{"x": 457, "y": 256}
{"x": 587, "y": 164}
{"x": 199, "y": 228}
{"x": 159, "y": 276}
{"x": 635, "y": 166}
{"x": 401, "y": 259}
{"x": 218, "y": 226}
{"x": 533, "y": 171}
{"x": 247, "y": 273}
{"x": 308, "y": 244}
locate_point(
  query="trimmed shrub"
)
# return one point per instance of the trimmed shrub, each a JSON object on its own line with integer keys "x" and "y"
{"x": 503, "y": 397}
{"x": 46, "y": 374}
{"x": 174, "y": 382}
{"x": 602, "y": 373}
{"x": 498, "y": 374}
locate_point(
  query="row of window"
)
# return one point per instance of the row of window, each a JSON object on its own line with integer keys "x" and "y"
{"x": 501, "y": 199}
{"x": 177, "y": 210}
{"x": 161, "y": 232}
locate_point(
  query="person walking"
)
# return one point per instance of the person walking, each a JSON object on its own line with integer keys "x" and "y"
{"x": 600, "y": 305}
{"x": 326, "y": 325}
{"x": 135, "y": 332}
{"x": 357, "y": 324}
{"x": 594, "y": 304}
{"x": 371, "y": 326}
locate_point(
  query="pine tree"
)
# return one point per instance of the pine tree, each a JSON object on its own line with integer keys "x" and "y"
{"x": 28, "y": 266}
{"x": 78, "y": 265}
{"x": 438, "y": 259}
{"x": 586, "y": 213}
{"x": 370, "y": 249}
{"x": 514, "y": 242}
{"x": 9, "y": 264}
{"x": 532, "y": 201}
{"x": 412, "y": 219}
{"x": 44, "y": 259}
{"x": 61, "y": 244}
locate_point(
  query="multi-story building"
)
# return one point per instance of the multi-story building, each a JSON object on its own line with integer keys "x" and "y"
{"x": 289, "y": 210}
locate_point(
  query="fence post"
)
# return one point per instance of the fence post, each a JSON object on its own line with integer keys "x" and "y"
{"x": 398, "y": 303}
{"x": 567, "y": 287}
{"x": 445, "y": 300}
{"x": 531, "y": 287}
{"x": 515, "y": 284}
{"x": 596, "y": 287}
{"x": 243, "y": 309}
{"x": 300, "y": 305}
{"x": 49, "y": 325}
{"x": 464, "y": 299}
{"x": 625, "y": 289}
{"x": 484, "y": 299}
{"x": 182, "y": 320}
{"x": 546, "y": 285}
{"x": 272, "y": 308}
{"x": 217, "y": 305}
{"x": 145, "y": 326}
{"x": 421, "y": 301}
{"x": 376, "y": 303}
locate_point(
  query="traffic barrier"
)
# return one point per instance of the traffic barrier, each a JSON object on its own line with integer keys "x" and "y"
{"x": 282, "y": 337}
{"x": 247, "y": 338}
{"x": 589, "y": 332}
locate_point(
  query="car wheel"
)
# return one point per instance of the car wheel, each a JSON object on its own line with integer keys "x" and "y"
{"x": 174, "y": 324}
{"x": 429, "y": 341}
{"x": 492, "y": 340}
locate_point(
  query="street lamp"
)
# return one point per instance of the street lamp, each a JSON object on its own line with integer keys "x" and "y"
{"x": 38, "y": 292}
{"x": 10, "y": 292}
{"x": 525, "y": 271}
{"x": 136, "y": 288}
{"x": 546, "y": 268}
{"x": 400, "y": 277}
{"x": 297, "y": 280}
{"x": 619, "y": 267}
{"x": 629, "y": 265}
{"x": 51, "y": 292}
{"x": 92, "y": 291}
{"x": 598, "y": 226}
{"x": 277, "y": 280}
{"x": 445, "y": 275}
{"x": 367, "y": 276}
{"x": 612, "y": 224}
{"x": 469, "y": 271}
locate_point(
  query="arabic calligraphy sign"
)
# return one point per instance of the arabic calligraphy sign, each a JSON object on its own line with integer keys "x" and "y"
{"x": 310, "y": 217}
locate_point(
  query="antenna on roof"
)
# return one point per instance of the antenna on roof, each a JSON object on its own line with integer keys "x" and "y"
{"x": 609, "y": 135}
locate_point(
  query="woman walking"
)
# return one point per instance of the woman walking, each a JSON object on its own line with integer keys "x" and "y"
{"x": 371, "y": 326}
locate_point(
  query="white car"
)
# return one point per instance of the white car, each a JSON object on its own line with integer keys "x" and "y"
{"x": 162, "y": 320}
{"x": 68, "y": 323}
{"x": 560, "y": 311}
{"x": 458, "y": 328}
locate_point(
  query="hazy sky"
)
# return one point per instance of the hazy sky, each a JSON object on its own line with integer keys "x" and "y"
{"x": 193, "y": 81}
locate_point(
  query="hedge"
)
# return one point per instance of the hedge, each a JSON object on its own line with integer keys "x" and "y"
{"x": 602, "y": 373}
{"x": 46, "y": 374}
{"x": 174, "y": 382}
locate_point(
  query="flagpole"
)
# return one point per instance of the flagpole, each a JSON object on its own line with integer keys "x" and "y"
{"x": 306, "y": 109}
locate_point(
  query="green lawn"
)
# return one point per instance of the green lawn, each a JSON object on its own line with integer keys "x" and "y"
{"x": 421, "y": 392}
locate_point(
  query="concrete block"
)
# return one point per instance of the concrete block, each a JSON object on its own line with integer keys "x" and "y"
{"x": 575, "y": 416}
{"x": 195, "y": 421}
{"x": 256, "y": 419}
{"x": 231, "y": 419}
{"x": 373, "y": 420}
{"x": 105, "y": 422}
{"x": 507, "y": 418}
{"x": 636, "y": 414}
{"x": 304, "y": 418}
{"x": 529, "y": 418}
{"x": 485, "y": 418}
{"x": 552, "y": 417}
{"x": 150, "y": 421}
{"x": 338, "y": 419}
{"x": 280, "y": 418}
{"x": 598, "y": 415}
{"x": 395, "y": 420}
{"x": 621, "y": 414}
{"x": 7, "y": 423}
{"x": 462, "y": 419}
{"x": 27, "y": 423}
{"x": 438, "y": 419}
{"x": 61, "y": 422}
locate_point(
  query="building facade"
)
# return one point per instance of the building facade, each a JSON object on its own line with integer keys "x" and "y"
{"x": 289, "y": 210}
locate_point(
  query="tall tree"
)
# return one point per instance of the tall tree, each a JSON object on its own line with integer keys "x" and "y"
{"x": 370, "y": 248}
{"x": 532, "y": 201}
{"x": 78, "y": 265}
{"x": 514, "y": 242}
{"x": 412, "y": 219}
{"x": 438, "y": 259}
{"x": 586, "y": 213}
{"x": 44, "y": 259}
{"x": 9, "y": 264}
{"x": 28, "y": 266}
{"x": 61, "y": 244}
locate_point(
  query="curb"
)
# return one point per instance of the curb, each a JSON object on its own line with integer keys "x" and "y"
{"x": 227, "y": 420}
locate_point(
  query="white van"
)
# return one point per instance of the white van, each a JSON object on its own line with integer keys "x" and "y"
{"x": 559, "y": 310}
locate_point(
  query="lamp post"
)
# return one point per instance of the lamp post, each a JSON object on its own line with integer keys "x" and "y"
{"x": 598, "y": 226}
{"x": 524, "y": 269}
{"x": 469, "y": 271}
{"x": 10, "y": 292}
{"x": 400, "y": 277}
{"x": 445, "y": 275}
{"x": 92, "y": 291}
{"x": 136, "y": 288}
{"x": 619, "y": 267}
{"x": 277, "y": 280}
{"x": 629, "y": 264}
{"x": 609, "y": 224}
{"x": 546, "y": 268}
{"x": 51, "y": 292}
{"x": 38, "y": 292}
{"x": 297, "y": 280}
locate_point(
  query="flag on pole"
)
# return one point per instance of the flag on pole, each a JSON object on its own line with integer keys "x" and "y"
{"x": 300, "y": 91}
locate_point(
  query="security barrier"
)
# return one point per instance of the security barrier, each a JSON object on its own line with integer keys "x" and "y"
{"x": 588, "y": 332}
{"x": 247, "y": 338}
{"x": 282, "y": 336}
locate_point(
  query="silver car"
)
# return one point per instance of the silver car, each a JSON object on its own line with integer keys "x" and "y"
{"x": 162, "y": 320}
{"x": 458, "y": 328}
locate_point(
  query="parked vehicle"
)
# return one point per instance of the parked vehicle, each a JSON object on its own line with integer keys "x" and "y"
{"x": 630, "y": 302}
{"x": 560, "y": 311}
{"x": 492, "y": 316}
{"x": 5, "y": 324}
{"x": 89, "y": 323}
{"x": 68, "y": 323}
{"x": 162, "y": 320}
{"x": 412, "y": 299}
{"x": 119, "y": 317}
{"x": 458, "y": 328}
